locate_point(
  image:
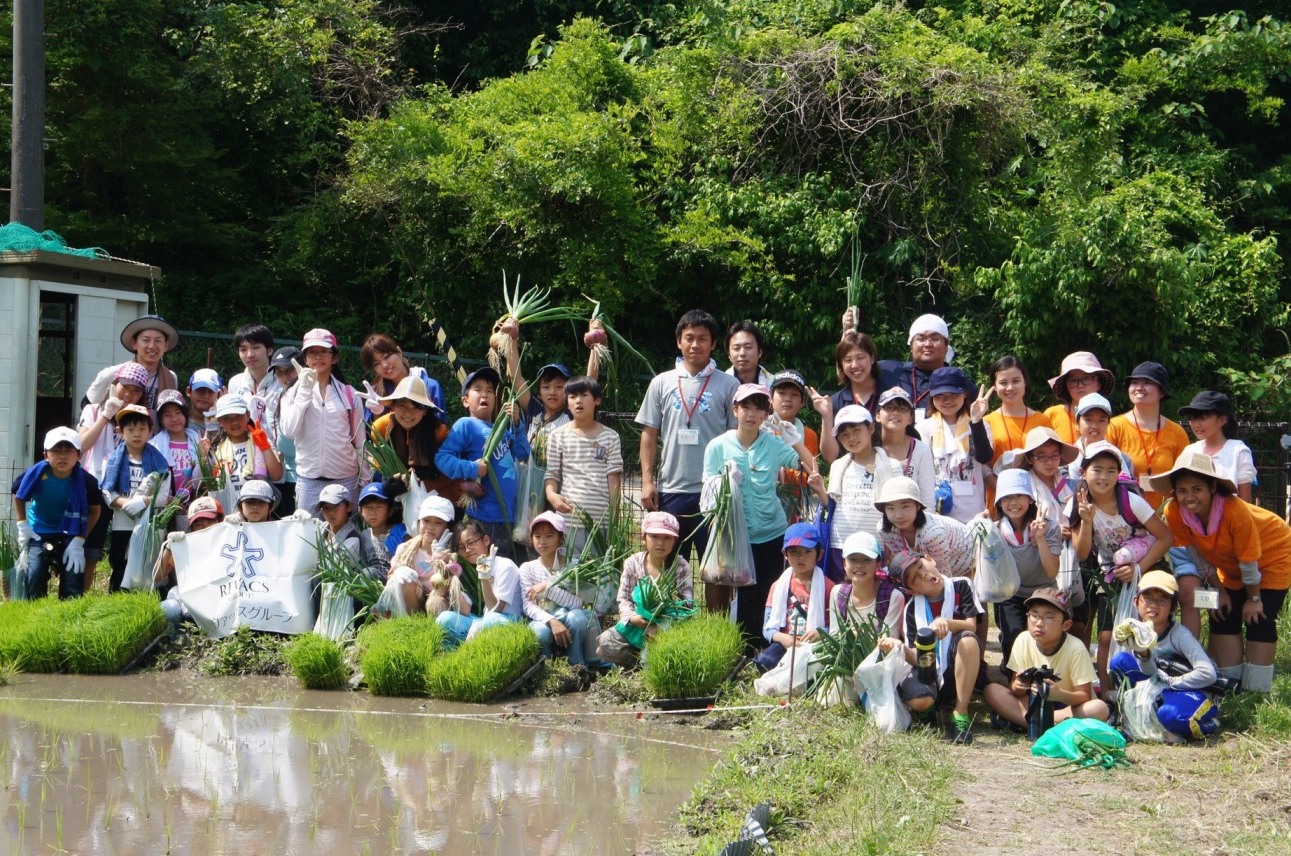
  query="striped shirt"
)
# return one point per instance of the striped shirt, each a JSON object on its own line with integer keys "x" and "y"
{"x": 581, "y": 466}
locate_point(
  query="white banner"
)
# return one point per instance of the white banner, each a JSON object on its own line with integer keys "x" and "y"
{"x": 260, "y": 575}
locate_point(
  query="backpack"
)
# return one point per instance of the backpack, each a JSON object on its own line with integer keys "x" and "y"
{"x": 882, "y": 598}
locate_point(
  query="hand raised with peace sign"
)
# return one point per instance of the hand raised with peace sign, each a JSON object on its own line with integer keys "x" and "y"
{"x": 1084, "y": 505}
{"x": 982, "y": 405}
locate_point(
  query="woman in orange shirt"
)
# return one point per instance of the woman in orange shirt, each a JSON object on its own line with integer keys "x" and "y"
{"x": 1152, "y": 441}
{"x": 1246, "y": 549}
{"x": 1081, "y": 374}
{"x": 1010, "y": 422}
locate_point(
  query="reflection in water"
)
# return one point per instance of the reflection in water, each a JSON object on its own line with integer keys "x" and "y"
{"x": 157, "y": 763}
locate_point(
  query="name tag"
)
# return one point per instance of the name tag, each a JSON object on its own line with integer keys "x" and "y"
{"x": 1206, "y": 599}
{"x": 1145, "y": 482}
{"x": 961, "y": 488}
{"x": 688, "y": 436}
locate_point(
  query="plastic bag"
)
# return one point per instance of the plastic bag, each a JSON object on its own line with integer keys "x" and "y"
{"x": 1069, "y": 578}
{"x": 879, "y": 678}
{"x": 1124, "y": 610}
{"x": 16, "y": 579}
{"x": 390, "y": 604}
{"x": 141, "y": 558}
{"x": 793, "y": 672}
{"x": 531, "y": 497}
{"x": 1138, "y": 706}
{"x": 838, "y": 691}
{"x": 996, "y": 578}
{"x": 336, "y": 614}
{"x": 411, "y": 501}
{"x": 728, "y": 559}
{"x": 1082, "y": 740}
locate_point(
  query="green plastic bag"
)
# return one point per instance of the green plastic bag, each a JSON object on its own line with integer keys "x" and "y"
{"x": 1083, "y": 743}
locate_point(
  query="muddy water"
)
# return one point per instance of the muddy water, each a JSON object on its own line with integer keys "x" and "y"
{"x": 161, "y": 763}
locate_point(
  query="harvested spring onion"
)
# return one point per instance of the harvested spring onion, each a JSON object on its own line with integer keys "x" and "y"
{"x": 528, "y": 307}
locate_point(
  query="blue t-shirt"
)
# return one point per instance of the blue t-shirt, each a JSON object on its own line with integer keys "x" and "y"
{"x": 47, "y": 505}
{"x": 463, "y": 447}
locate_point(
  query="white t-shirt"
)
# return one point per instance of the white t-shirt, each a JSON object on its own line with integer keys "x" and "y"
{"x": 966, "y": 477}
{"x": 1112, "y": 530}
{"x": 1232, "y": 461}
{"x": 854, "y": 492}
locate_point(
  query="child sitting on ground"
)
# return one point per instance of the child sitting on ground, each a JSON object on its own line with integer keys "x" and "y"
{"x": 203, "y": 513}
{"x": 335, "y": 508}
{"x": 555, "y": 614}
{"x": 1047, "y": 643}
{"x": 256, "y": 502}
{"x": 865, "y": 594}
{"x": 797, "y": 607}
{"x": 134, "y": 472}
{"x": 382, "y": 533}
{"x": 623, "y": 643}
{"x": 56, "y": 503}
{"x": 421, "y": 567}
{"x": 948, "y": 607}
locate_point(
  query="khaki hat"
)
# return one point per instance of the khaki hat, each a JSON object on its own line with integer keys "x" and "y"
{"x": 132, "y": 410}
{"x": 1037, "y": 437}
{"x": 1051, "y": 596}
{"x": 412, "y": 389}
{"x": 897, "y": 489}
{"x": 1159, "y": 580}
{"x": 1193, "y": 461}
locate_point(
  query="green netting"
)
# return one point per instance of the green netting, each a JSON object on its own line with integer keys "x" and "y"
{"x": 17, "y": 238}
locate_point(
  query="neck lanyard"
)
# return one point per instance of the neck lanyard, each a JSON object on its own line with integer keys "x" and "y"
{"x": 690, "y": 411}
{"x": 1008, "y": 432}
{"x": 914, "y": 387}
{"x": 1143, "y": 441}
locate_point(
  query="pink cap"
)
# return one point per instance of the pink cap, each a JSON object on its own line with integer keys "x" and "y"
{"x": 552, "y": 519}
{"x": 660, "y": 523}
{"x": 318, "y": 338}
{"x": 748, "y": 390}
{"x": 132, "y": 374}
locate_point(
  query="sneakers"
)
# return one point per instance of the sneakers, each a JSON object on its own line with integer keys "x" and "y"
{"x": 961, "y": 735}
{"x": 1004, "y": 725}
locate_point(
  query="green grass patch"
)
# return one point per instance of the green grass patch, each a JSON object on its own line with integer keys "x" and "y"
{"x": 484, "y": 665}
{"x": 690, "y": 659}
{"x": 826, "y": 769}
{"x": 395, "y": 654}
{"x": 246, "y": 652}
{"x": 32, "y": 631}
{"x": 112, "y": 632}
{"x": 318, "y": 662}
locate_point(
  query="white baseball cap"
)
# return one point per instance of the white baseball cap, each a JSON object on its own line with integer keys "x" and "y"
{"x": 62, "y": 435}
{"x": 862, "y": 543}
{"x": 333, "y": 494}
{"x": 438, "y": 507}
{"x": 231, "y": 405}
{"x": 256, "y": 489}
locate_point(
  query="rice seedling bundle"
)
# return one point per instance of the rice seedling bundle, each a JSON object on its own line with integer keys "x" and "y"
{"x": 31, "y": 631}
{"x": 691, "y": 659}
{"x": 111, "y": 632}
{"x": 318, "y": 662}
{"x": 485, "y": 665}
{"x": 395, "y": 654}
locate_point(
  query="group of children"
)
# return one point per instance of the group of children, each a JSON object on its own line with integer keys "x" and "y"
{"x": 1090, "y": 504}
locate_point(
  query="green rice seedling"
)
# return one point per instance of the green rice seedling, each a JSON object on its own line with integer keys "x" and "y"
{"x": 840, "y": 652}
{"x": 485, "y": 665}
{"x": 111, "y": 633}
{"x": 382, "y": 455}
{"x": 246, "y": 652}
{"x": 33, "y": 631}
{"x": 395, "y": 654}
{"x": 318, "y": 662}
{"x": 690, "y": 659}
{"x": 14, "y": 586}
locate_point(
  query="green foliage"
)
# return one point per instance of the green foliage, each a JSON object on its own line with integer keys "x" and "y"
{"x": 112, "y": 632}
{"x": 246, "y": 652}
{"x": 484, "y": 665}
{"x": 318, "y": 662}
{"x": 690, "y": 659}
{"x": 31, "y": 631}
{"x": 395, "y": 654}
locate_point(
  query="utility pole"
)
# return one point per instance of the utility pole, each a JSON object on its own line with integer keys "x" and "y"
{"x": 27, "y": 167}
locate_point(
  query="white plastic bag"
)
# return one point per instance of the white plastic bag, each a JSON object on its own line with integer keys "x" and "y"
{"x": 411, "y": 501}
{"x": 141, "y": 558}
{"x": 390, "y": 604}
{"x": 335, "y": 614}
{"x": 996, "y": 578}
{"x": 1069, "y": 578}
{"x": 531, "y": 497}
{"x": 838, "y": 691}
{"x": 794, "y": 671}
{"x": 879, "y": 679}
{"x": 728, "y": 559}
{"x": 1123, "y": 610}
{"x": 1138, "y": 705}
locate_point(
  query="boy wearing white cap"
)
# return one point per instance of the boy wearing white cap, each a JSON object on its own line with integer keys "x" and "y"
{"x": 56, "y": 503}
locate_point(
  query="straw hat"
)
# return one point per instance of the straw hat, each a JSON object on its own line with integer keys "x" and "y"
{"x": 1080, "y": 361}
{"x": 413, "y": 389}
{"x": 1193, "y": 461}
{"x": 1037, "y": 437}
{"x": 897, "y": 489}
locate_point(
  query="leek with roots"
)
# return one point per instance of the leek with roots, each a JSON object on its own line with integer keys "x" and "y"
{"x": 528, "y": 307}
{"x": 337, "y": 565}
{"x": 382, "y": 456}
{"x": 840, "y": 652}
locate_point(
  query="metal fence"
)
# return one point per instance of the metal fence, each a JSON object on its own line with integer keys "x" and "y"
{"x": 1270, "y": 444}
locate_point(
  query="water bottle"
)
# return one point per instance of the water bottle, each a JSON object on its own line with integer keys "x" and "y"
{"x": 925, "y": 651}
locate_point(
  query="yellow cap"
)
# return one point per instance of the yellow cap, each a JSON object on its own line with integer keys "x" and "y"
{"x": 1159, "y": 580}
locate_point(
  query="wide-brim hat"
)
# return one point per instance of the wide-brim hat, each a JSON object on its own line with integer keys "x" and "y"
{"x": 1014, "y": 482}
{"x": 1080, "y": 361}
{"x": 1154, "y": 372}
{"x": 1037, "y": 437}
{"x": 1207, "y": 401}
{"x": 1190, "y": 461}
{"x": 897, "y": 489}
{"x": 132, "y": 330}
{"x": 411, "y": 388}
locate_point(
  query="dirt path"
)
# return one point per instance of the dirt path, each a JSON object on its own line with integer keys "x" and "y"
{"x": 1229, "y": 798}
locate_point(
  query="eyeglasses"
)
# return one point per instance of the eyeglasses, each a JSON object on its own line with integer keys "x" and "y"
{"x": 929, "y": 338}
{"x": 1164, "y": 600}
{"x": 472, "y": 544}
{"x": 1048, "y": 458}
{"x": 1047, "y": 618}
{"x": 897, "y": 407}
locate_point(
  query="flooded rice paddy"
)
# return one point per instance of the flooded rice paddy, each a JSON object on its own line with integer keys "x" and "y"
{"x": 171, "y": 763}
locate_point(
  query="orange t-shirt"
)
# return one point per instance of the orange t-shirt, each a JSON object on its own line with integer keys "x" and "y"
{"x": 1151, "y": 452}
{"x": 1010, "y": 432}
{"x": 1063, "y": 420}
{"x": 1246, "y": 533}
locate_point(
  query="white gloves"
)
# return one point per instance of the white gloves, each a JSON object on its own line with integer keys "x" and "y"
{"x": 301, "y": 514}
{"x": 371, "y": 399}
{"x": 74, "y": 556}
{"x": 306, "y": 379}
{"x": 25, "y": 535}
{"x": 784, "y": 429}
{"x": 134, "y": 506}
{"x": 112, "y": 407}
{"x": 1136, "y": 635}
{"x": 257, "y": 406}
{"x": 176, "y": 537}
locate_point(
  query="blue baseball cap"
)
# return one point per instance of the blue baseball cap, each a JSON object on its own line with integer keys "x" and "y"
{"x": 802, "y": 535}
{"x": 483, "y": 373}
{"x": 553, "y": 368}
{"x": 375, "y": 489}
{"x": 948, "y": 379}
